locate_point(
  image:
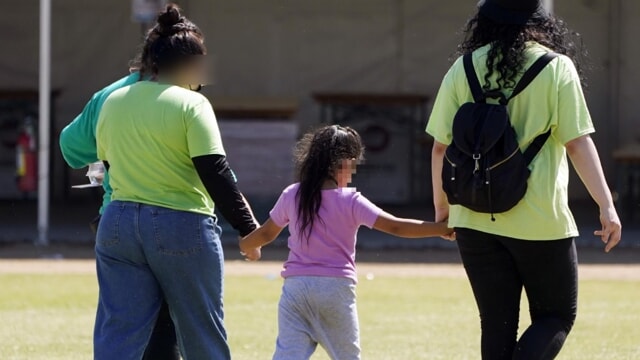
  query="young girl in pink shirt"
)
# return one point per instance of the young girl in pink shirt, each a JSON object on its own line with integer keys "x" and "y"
{"x": 318, "y": 302}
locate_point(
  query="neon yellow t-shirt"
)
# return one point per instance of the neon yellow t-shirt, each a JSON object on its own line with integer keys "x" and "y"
{"x": 554, "y": 100}
{"x": 148, "y": 132}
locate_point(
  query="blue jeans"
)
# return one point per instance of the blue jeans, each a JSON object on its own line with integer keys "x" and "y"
{"x": 143, "y": 252}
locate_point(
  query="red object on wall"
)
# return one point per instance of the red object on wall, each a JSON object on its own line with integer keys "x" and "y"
{"x": 27, "y": 160}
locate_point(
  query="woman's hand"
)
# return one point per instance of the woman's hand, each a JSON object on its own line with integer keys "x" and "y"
{"x": 439, "y": 196}
{"x": 586, "y": 161}
{"x": 611, "y": 231}
{"x": 253, "y": 254}
{"x": 251, "y": 245}
{"x": 442, "y": 215}
{"x": 250, "y": 253}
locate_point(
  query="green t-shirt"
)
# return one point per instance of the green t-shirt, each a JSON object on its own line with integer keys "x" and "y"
{"x": 554, "y": 100}
{"x": 78, "y": 139}
{"x": 148, "y": 133}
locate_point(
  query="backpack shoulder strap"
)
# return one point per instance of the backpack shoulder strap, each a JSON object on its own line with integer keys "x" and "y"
{"x": 472, "y": 79}
{"x": 535, "y": 147}
{"x": 532, "y": 72}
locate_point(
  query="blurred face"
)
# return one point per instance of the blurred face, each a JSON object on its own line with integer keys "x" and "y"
{"x": 345, "y": 171}
{"x": 192, "y": 73}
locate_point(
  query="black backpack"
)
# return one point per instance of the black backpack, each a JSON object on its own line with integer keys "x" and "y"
{"x": 484, "y": 169}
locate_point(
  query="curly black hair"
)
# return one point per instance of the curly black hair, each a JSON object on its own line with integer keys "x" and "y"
{"x": 506, "y": 55}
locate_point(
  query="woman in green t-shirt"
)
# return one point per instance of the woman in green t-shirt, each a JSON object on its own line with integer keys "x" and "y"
{"x": 530, "y": 246}
{"x": 159, "y": 238}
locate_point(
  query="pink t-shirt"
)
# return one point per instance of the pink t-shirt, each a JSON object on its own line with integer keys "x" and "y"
{"x": 330, "y": 249}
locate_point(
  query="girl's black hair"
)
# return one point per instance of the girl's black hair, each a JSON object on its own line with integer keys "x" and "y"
{"x": 173, "y": 41}
{"x": 508, "y": 42}
{"x": 318, "y": 154}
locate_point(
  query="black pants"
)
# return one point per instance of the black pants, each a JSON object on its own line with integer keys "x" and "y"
{"x": 498, "y": 269}
{"x": 163, "y": 343}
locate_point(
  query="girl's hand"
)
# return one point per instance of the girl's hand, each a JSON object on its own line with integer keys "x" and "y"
{"x": 249, "y": 253}
{"x": 611, "y": 231}
{"x": 251, "y": 245}
{"x": 451, "y": 236}
{"x": 252, "y": 254}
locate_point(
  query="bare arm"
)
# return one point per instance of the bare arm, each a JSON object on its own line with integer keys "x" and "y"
{"x": 584, "y": 156}
{"x": 251, "y": 244}
{"x": 409, "y": 228}
{"x": 440, "y": 201}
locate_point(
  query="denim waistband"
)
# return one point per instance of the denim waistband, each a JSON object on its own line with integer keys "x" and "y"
{"x": 153, "y": 208}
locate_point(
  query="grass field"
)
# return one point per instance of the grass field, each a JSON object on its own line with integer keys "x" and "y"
{"x": 420, "y": 312}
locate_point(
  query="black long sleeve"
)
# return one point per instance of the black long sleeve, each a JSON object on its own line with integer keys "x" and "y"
{"x": 220, "y": 182}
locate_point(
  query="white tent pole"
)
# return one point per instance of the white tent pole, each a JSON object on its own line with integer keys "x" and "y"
{"x": 44, "y": 122}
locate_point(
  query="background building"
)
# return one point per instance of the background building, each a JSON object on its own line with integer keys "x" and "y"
{"x": 286, "y": 50}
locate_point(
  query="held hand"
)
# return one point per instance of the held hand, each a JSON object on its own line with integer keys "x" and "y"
{"x": 252, "y": 254}
{"x": 611, "y": 231}
{"x": 450, "y": 236}
{"x": 249, "y": 253}
{"x": 442, "y": 215}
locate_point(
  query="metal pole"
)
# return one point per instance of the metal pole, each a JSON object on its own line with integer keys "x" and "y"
{"x": 44, "y": 122}
{"x": 548, "y": 4}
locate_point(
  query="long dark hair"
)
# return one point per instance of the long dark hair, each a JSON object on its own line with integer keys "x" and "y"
{"x": 318, "y": 154}
{"x": 508, "y": 42}
{"x": 172, "y": 41}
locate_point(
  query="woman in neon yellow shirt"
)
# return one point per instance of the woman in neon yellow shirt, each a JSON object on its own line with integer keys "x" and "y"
{"x": 530, "y": 246}
{"x": 158, "y": 237}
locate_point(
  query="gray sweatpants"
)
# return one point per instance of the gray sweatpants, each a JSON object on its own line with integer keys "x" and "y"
{"x": 317, "y": 310}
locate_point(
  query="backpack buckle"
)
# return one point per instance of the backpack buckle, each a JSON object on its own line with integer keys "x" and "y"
{"x": 476, "y": 157}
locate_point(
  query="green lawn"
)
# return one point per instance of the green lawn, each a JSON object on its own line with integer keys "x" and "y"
{"x": 51, "y": 317}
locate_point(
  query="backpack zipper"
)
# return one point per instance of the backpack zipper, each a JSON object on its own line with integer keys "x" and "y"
{"x": 504, "y": 160}
{"x": 453, "y": 167}
{"x": 488, "y": 183}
